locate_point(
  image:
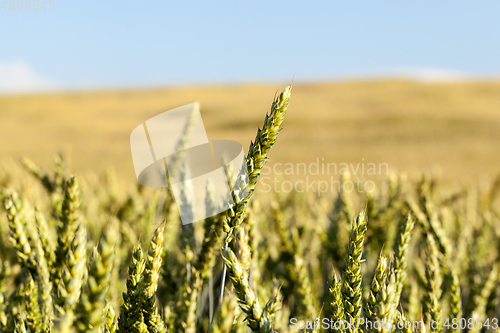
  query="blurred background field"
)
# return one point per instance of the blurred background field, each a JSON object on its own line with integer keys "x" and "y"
{"x": 410, "y": 125}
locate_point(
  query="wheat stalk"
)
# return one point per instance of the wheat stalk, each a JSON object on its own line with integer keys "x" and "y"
{"x": 379, "y": 278}
{"x": 432, "y": 308}
{"x": 69, "y": 221}
{"x": 149, "y": 282}
{"x": 247, "y": 299}
{"x": 352, "y": 286}
{"x": 255, "y": 160}
{"x": 90, "y": 309}
{"x": 337, "y": 304}
{"x": 130, "y": 314}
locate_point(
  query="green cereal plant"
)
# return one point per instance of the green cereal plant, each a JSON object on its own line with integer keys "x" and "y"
{"x": 33, "y": 315}
{"x": 71, "y": 281}
{"x": 53, "y": 185}
{"x": 274, "y": 304}
{"x": 5, "y": 272}
{"x": 404, "y": 325}
{"x": 382, "y": 230}
{"x": 256, "y": 319}
{"x": 254, "y": 239}
{"x": 111, "y": 324}
{"x": 386, "y": 309}
{"x": 45, "y": 237}
{"x": 187, "y": 237}
{"x": 17, "y": 230}
{"x": 69, "y": 221}
{"x": 45, "y": 297}
{"x": 131, "y": 315}
{"x": 379, "y": 278}
{"x": 489, "y": 285}
{"x": 435, "y": 226}
{"x": 186, "y": 316}
{"x": 242, "y": 248}
{"x": 255, "y": 160}
{"x": 342, "y": 213}
{"x": 337, "y": 304}
{"x": 40, "y": 272}
{"x": 473, "y": 275}
{"x": 149, "y": 282}
{"x": 455, "y": 299}
{"x": 73, "y": 272}
{"x": 225, "y": 315}
{"x": 195, "y": 273}
{"x": 20, "y": 326}
{"x": 71, "y": 259}
{"x": 302, "y": 283}
{"x": 352, "y": 289}
{"x": 93, "y": 299}
{"x": 400, "y": 262}
{"x": 41, "y": 175}
{"x": 432, "y": 307}
{"x": 206, "y": 258}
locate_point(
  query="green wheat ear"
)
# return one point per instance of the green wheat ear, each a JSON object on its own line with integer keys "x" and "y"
{"x": 401, "y": 250}
{"x": 352, "y": 288}
{"x": 455, "y": 299}
{"x": 386, "y": 309}
{"x": 69, "y": 220}
{"x": 378, "y": 282}
{"x": 149, "y": 282}
{"x": 256, "y": 158}
{"x": 212, "y": 225}
{"x": 17, "y": 230}
{"x": 46, "y": 241}
{"x": 90, "y": 309}
{"x": 111, "y": 324}
{"x": 481, "y": 300}
{"x": 33, "y": 316}
{"x": 432, "y": 307}
{"x": 301, "y": 279}
{"x": 337, "y": 303}
{"x": 71, "y": 281}
{"x": 130, "y": 313}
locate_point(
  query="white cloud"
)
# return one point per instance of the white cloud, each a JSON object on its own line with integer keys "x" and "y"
{"x": 432, "y": 75}
{"x": 19, "y": 77}
{"x": 418, "y": 74}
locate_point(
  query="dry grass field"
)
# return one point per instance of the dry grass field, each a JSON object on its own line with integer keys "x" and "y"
{"x": 453, "y": 127}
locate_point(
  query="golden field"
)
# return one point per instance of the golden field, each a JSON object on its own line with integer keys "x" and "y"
{"x": 453, "y": 127}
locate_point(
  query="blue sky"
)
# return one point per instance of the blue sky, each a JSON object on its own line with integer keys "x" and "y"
{"x": 104, "y": 44}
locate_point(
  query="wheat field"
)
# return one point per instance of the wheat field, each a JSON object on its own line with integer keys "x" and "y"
{"x": 83, "y": 250}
